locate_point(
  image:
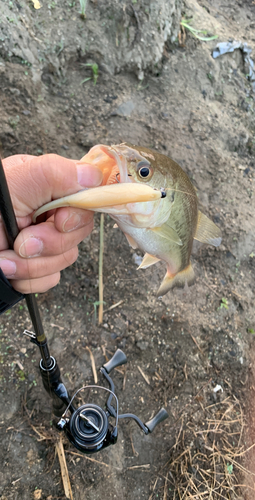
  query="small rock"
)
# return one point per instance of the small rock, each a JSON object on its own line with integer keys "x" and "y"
{"x": 125, "y": 109}
{"x": 137, "y": 259}
{"x": 15, "y": 91}
{"x": 217, "y": 388}
{"x": 142, "y": 345}
{"x": 18, "y": 437}
{"x": 138, "y": 336}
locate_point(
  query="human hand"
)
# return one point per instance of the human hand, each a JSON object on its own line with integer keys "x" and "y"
{"x": 41, "y": 251}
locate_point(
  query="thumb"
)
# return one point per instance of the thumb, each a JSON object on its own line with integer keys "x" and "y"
{"x": 33, "y": 181}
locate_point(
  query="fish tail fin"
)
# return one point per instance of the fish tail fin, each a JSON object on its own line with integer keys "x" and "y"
{"x": 187, "y": 275}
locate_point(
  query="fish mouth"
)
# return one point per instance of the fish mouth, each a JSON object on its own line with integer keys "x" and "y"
{"x": 111, "y": 162}
{"x": 114, "y": 153}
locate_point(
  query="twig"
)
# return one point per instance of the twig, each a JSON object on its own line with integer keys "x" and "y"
{"x": 143, "y": 375}
{"x": 42, "y": 437}
{"x": 57, "y": 326}
{"x": 124, "y": 379}
{"x": 145, "y": 466}
{"x": 92, "y": 459}
{"x": 195, "y": 342}
{"x": 218, "y": 295}
{"x": 16, "y": 480}
{"x": 114, "y": 305}
{"x": 154, "y": 486}
{"x": 135, "y": 453}
{"x": 93, "y": 364}
{"x": 165, "y": 490}
{"x": 100, "y": 273}
{"x": 64, "y": 470}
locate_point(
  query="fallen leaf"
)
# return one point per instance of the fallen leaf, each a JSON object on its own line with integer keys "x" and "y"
{"x": 37, "y": 494}
{"x": 37, "y": 4}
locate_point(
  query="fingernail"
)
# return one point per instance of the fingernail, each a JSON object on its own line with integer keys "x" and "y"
{"x": 88, "y": 175}
{"x": 8, "y": 267}
{"x": 31, "y": 247}
{"x": 71, "y": 223}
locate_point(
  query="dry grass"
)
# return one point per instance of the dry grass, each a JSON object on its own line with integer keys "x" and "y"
{"x": 206, "y": 458}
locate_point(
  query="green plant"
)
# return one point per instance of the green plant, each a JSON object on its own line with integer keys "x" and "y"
{"x": 196, "y": 33}
{"x": 83, "y": 4}
{"x": 224, "y": 303}
{"x": 21, "y": 375}
{"x": 229, "y": 468}
{"x": 94, "y": 68}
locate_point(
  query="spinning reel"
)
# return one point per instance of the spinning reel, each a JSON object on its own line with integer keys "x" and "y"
{"x": 88, "y": 427}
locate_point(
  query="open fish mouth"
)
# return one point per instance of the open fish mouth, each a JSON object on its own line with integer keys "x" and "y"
{"x": 110, "y": 161}
{"x": 121, "y": 163}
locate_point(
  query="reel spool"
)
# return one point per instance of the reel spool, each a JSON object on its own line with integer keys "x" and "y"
{"x": 89, "y": 429}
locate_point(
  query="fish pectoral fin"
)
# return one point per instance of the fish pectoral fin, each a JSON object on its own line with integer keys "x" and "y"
{"x": 207, "y": 231}
{"x": 148, "y": 261}
{"x": 131, "y": 241}
{"x": 187, "y": 275}
{"x": 167, "y": 232}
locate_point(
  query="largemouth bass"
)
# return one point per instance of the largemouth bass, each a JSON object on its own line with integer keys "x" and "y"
{"x": 164, "y": 228}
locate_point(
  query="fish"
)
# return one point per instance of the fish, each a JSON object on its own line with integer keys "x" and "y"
{"x": 165, "y": 227}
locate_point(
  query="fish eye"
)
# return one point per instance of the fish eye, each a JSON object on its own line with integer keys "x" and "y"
{"x": 143, "y": 169}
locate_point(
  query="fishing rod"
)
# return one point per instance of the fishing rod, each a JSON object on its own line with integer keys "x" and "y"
{"x": 88, "y": 426}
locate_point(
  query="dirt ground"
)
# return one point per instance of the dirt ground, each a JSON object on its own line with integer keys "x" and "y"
{"x": 194, "y": 346}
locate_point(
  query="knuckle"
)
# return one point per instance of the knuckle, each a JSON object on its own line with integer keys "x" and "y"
{"x": 51, "y": 158}
{"x": 74, "y": 256}
{"x": 55, "y": 279}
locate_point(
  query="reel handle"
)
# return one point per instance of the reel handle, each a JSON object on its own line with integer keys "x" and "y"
{"x": 159, "y": 417}
{"x": 119, "y": 358}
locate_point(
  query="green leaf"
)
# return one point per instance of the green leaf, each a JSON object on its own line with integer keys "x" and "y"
{"x": 85, "y": 80}
{"x": 194, "y": 32}
{"x": 230, "y": 468}
{"x": 21, "y": 375}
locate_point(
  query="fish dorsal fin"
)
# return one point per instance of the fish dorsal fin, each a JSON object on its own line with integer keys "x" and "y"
{"x": 148, "y": 261}
{"x": 207, "y": 231}
{"x": 167, "y": 232}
